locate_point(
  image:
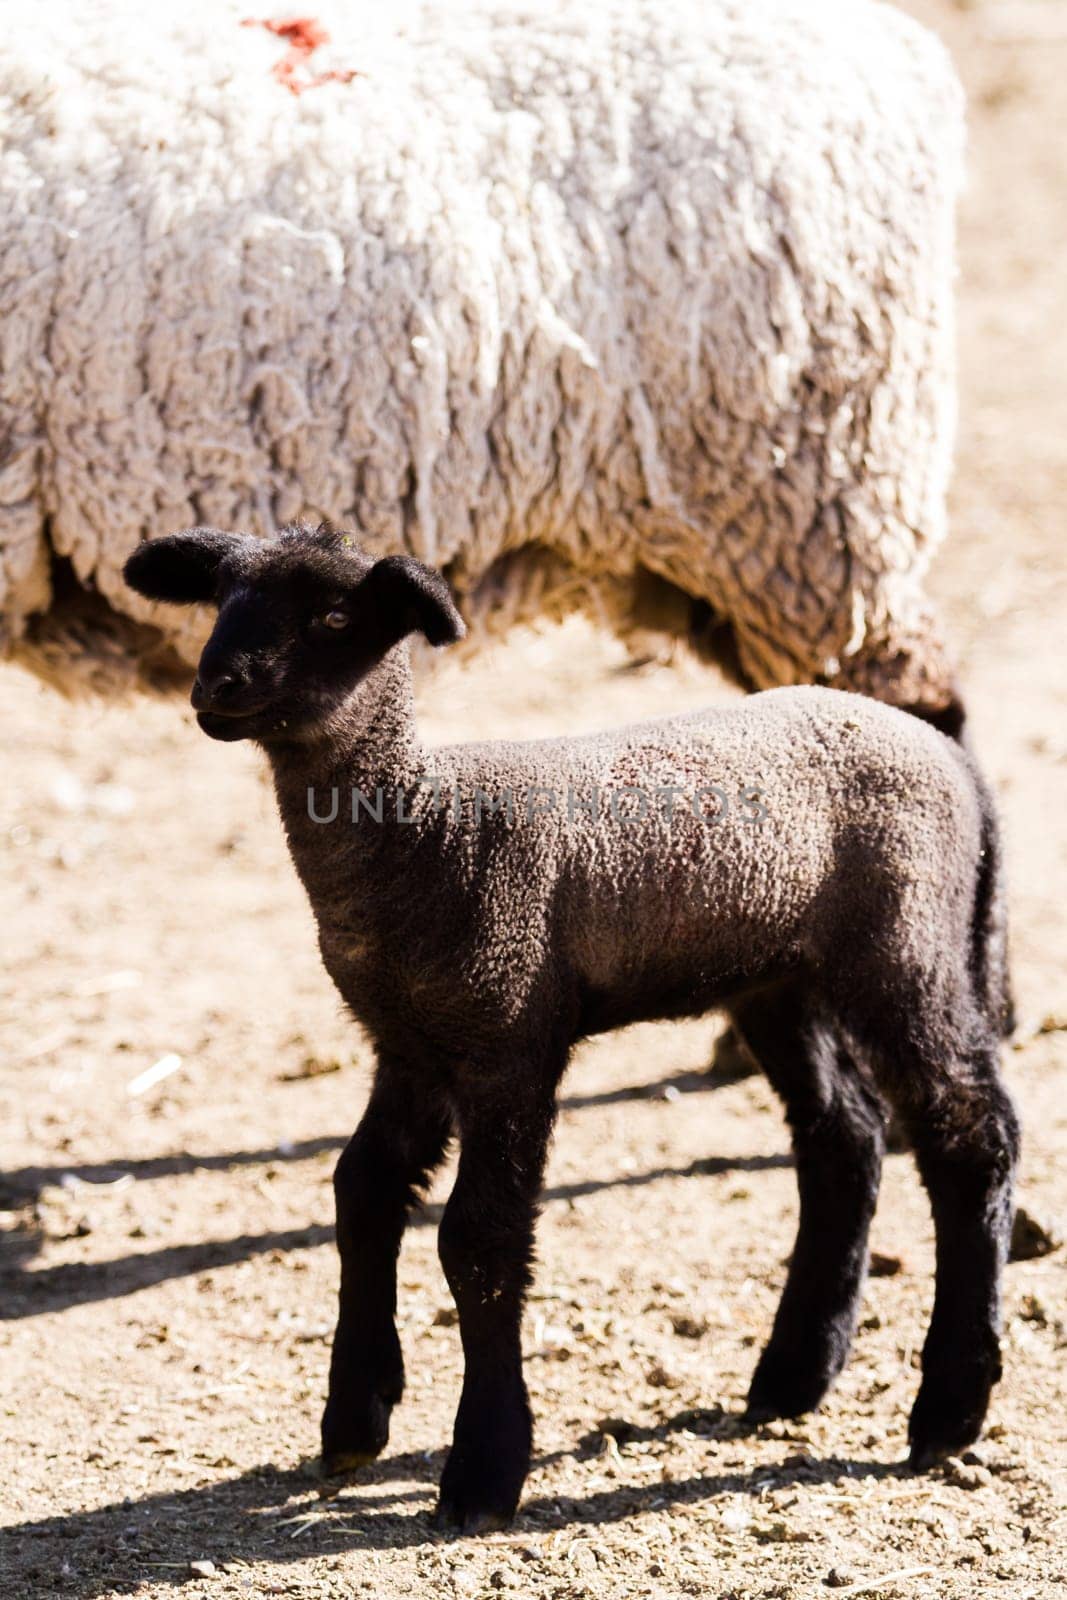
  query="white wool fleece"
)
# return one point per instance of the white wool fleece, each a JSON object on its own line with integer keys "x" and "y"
{"x": 618, "y": 282}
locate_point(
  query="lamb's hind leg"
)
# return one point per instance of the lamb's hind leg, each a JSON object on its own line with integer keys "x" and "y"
{"x": 378, "y": 1178}
{"x": 965, "y": 1135}
{"x": 838, "y": 1128}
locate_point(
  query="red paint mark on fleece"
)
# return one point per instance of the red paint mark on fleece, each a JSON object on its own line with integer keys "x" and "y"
{"x": 303, "y": 36}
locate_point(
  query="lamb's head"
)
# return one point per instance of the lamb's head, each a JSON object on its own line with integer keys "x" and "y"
{"x": 302, "y": 620}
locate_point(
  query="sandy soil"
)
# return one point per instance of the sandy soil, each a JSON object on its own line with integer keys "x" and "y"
{"x": 169, "y": 1275}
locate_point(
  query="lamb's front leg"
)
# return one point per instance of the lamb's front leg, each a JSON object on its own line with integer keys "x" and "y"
{"x": 486, "y": 1245}
{"x": 382, "y": 1168}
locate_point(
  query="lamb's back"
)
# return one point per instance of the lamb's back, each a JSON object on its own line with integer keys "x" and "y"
{"x": 756, "y": 827}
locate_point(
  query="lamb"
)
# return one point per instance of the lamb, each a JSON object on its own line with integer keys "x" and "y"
{"x": 585, "y": 305}
{"x": 824, "y": 868}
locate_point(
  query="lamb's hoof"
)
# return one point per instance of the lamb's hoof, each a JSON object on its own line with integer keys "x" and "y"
{"x": 923, "y": 1456}
{"x": 933, "y": 1438}
{"x": 478, "y": 1494}
{"x": 784, "y": 1393}
{"x": 949, "y": 1411}
{"x": 339, "y": 1463}
{"x": 931, "y": 1449}
{"x": 452, "y": 1517}
{"x": 757, "y": 1412}
{"x": 354, "y": 1433}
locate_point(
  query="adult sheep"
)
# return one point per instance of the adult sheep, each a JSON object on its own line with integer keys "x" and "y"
{"x": 553, "y": 296}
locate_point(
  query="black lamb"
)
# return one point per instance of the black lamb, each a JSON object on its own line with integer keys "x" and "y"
{"x": 823, "y": 868}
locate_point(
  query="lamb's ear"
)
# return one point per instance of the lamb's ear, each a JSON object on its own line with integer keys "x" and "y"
{"x": 182, "y": 567}
{"x": 410, "y": 597}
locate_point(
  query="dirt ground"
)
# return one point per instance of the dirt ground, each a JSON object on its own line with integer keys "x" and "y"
{"x": 167, "y": 1258}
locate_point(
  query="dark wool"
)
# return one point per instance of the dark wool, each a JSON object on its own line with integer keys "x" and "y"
{"x": 823, "y": 868}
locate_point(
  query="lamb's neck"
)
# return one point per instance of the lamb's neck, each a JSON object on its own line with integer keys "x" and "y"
{"x": 370, "y": 742}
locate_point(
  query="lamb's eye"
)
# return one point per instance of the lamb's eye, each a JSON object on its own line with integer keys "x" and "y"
{"x": 335, "y": 619}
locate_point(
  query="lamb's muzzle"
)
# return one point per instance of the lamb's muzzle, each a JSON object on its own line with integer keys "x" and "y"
{"x": 853, "y": 932}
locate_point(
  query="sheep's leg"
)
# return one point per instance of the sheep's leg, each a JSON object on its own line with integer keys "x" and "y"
{"x": 838, "y": 1129}
{"x": 730, "y": 1059}
{"x": 486, "y": 1246}
{"x": 966, "y": 1142}
{"x": 378, "y": 1178}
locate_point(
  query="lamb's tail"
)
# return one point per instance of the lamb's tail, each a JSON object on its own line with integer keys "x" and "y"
{"x": 989, "y": 924}
{"x": 989, "y": 928}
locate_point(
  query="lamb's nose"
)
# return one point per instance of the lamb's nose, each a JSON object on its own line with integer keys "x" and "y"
{"x": 215, "y": 688}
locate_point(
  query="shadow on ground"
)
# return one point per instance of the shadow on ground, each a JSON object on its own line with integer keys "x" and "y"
{"x": 25, "y": 1292}
{"x": 281, "y": 1516}
{"x": 24, "y": 1184}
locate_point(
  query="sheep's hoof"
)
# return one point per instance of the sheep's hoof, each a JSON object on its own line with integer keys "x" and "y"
{"x": 933, "y": 1438}
{"x": 355, "y": 1428}
{"x": 791, "y": 1392}
{"x": 921, "y": 1456}
{"x": 929, "y": 1452}
{"x": 479, "y": 1496}
{"x": 338, "y": 1463}
{"x": 950, "y": 1408}
{"x": 451, "y": 1518}
{"x": 757, "y": 1412}
{"x": 759, "y": 1409}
